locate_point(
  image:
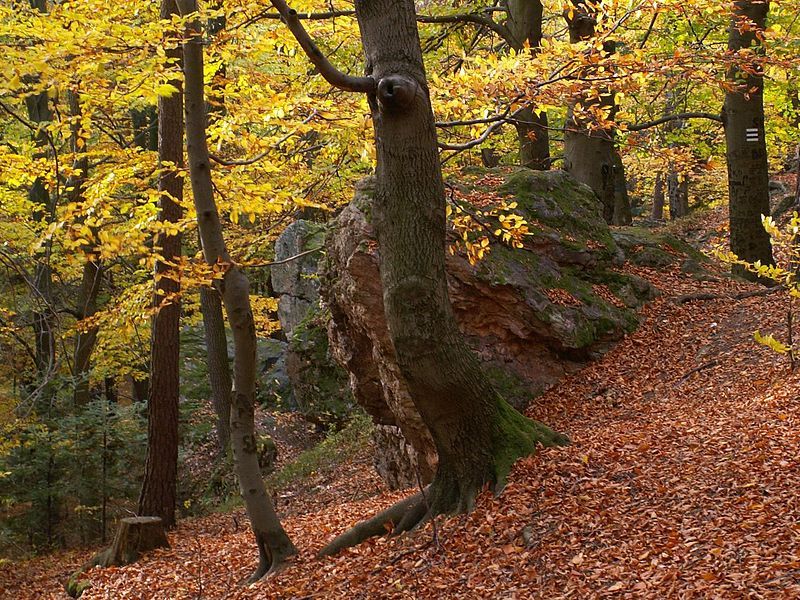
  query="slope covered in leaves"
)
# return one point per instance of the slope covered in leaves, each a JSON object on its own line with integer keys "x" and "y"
{"x": 681, "y": 482}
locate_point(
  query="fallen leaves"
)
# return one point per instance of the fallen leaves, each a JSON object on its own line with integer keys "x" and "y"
{"x": 668, "y": 491}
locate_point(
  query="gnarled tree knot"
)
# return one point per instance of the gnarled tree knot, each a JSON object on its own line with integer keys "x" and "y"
{"x": 396, "y": 92}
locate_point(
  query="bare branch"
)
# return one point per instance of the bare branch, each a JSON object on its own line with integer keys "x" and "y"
{"x": 476, "y": 19}
{"x": 677, "y": 117}
{"x": 331, "y": 74}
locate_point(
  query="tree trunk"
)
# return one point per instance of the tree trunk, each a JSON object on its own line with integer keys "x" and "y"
{"x": 145, "y": 128}
{"x": 589, "y": 151}
{"x": 658, "y": 198}
{"x": 158, "y": 493}
{"x": 92, "y": 271}
{"x": 477, "y": 434}
{"x": 525, "y": 25}
{"x": 274, "y": 546}
{"x": 743, "y": 118}
{"x": 677, "y": 193}
{"x": 39, "y": 113}
{"x": 219, "y": 372}
{"x": 85, "y": 342}
{"x": 134, "y": 537}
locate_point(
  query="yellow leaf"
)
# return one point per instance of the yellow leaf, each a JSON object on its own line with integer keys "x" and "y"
{"x": 165, "y": 90}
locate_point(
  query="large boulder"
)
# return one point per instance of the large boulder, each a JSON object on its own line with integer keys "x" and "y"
{"x": 317, "y": 384}
{"x": 295, "y": 282}
{"x": 531, "y": 314}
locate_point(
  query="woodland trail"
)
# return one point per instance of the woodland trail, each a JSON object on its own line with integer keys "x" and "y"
{"x": 681, "y": 482}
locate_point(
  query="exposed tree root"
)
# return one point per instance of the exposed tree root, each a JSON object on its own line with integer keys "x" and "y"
{"x": 451, "y": 493}
{"x": 396, "y": 519}
{"x": 270, "y": 560}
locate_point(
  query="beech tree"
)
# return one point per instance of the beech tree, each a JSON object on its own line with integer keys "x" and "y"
{"x": 274, "y": 545}
{"x": 589, "y": 151}
{"x": 743, "y": 118}
{"x": 525, "y": 26}
{"x": 477, "y": 434}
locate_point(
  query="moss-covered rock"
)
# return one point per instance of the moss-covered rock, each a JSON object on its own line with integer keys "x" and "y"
{"x": 319, "y": 385}
{"x": 531, "y": 314}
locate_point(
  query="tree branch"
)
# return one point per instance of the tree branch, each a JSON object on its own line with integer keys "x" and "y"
{"x": 677, "y": 117}
{"x": 481, "y": 20}
{"x": 331, "y": 74}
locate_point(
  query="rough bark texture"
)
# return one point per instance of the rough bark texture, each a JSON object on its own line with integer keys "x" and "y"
{"x": 134, "y": 537}
{"x": 658, "y": 198}
{"x": 589, "y": 151}
{"x": 678, "y": 194}
{"x": 219, "y": 371}
{"x": 158, "y": 493}
{"x": 743, "y": 118}
{"x": 273, "y": 544}
{"x": 477, "y": 435}
{"x": 525, "y": 25}
{"x": 509, "y": 308}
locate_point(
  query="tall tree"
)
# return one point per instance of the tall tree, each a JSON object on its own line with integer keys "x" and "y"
{"x": 743, "y": 118}
{"x": 92, "y": 269}
{"x": 158, "y": 493}
{"x": 274, "y": 545}
{"x": 525, "y": 26}
{"x": 589, "y": 151}
{"x": 219, "y": 371}
{"x": 477, "y": 434}
{"x": 40, "y": 114}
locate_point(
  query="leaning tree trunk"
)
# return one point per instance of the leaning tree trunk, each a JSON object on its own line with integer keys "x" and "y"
{"x": 274, "y": 546}
{"x": 589, "y": 151}
{"x": 158, "y": 493}
{"x": 477, "y": 434}
{"x": 219, "y": 371}
{"x": 743, "y": 117}
{"x": 525, "y": 25}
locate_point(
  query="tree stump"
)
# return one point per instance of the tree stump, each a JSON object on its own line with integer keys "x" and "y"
{"x": 135, "y": 536}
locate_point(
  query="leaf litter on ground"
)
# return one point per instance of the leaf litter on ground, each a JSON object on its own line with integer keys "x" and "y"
{"x": 681, "y": 482}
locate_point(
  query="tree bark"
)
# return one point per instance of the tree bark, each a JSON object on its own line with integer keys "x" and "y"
{"x": 219, "y": 372}
{"x": 158, "y": 493}
{"x": 743, "y": 118}
{"x": 274, "y": 545}
{"x": 658, "y": 198}
{"x": 589, "y": 151}
{"x": 677, "y": 193}
{"x": 476, "y": 433}
{"x": 40, "y": 113}
{"x": 92, "y": 271}
{"x": 525, "y": 25}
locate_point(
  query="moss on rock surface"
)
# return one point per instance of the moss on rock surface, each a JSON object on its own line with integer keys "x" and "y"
{"x": 319, "y": 384}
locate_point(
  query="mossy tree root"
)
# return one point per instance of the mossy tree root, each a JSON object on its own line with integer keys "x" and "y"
{"x": 453, "y": 491}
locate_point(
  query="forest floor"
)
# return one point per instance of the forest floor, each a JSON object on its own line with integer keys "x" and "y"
{"x": 681, "y": 482}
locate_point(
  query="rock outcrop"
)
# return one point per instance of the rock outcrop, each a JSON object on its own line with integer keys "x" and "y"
{"x": 317, "y": 384}
{"x": 531, "y": 314}
{"x": 295, "y": 282}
